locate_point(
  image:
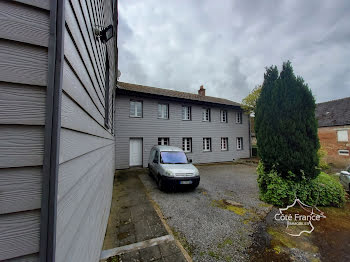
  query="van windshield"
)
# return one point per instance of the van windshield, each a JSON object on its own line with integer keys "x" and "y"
{"x": 173, "y": 157}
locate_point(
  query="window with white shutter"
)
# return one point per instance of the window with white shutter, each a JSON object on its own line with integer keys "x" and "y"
{"x": 223, "y": 116}
{"x": 186, "y": 113}
{"x": 206, "y": 114}
{"x": 135, "y": 108}
{"x": 224, "y": 143}
{"x": 163, "y": 141}
{"x": 206, "y": 144}
{"x": 187, "y": 144}
{"x": 163, "y": 111}
{"x": 239, "y": 142}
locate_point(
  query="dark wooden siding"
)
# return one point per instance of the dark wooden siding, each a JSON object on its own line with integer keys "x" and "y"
{"x": 86, "y": 146}
{"x": 24, "y": 36}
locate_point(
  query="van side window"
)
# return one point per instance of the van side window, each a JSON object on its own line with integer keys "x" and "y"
{"x": 156, "y": 156}
{"x": 153, "y": 151}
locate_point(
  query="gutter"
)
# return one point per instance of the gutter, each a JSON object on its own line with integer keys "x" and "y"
{"x": 52, "y": 132}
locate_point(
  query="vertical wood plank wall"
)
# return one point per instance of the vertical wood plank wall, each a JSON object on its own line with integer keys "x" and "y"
{"x": 24, "y": 36}
{"x": 86, "y": 160}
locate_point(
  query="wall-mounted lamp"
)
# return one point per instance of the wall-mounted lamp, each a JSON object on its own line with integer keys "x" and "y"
{"x": 104, "y": 33}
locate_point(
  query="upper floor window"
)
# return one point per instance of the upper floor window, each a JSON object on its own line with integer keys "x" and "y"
{"x": 187, "y": 144}
{"x": 135, "y": 108}
{"x": 207, "y": 144}
{"x": 186, "y": 113}
{"x": 223, "y": 116}
{"x": 239, "y": 143}
{"x": 238, "y": 117}
{"x": 163, "y": 141}
{"x": 163, "y": 111}
{"x": 206, "y": 114}
{"x": 342, "y": 135}
{"x": 224, "y": 143}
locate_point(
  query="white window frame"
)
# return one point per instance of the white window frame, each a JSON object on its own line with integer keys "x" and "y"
{"x": 163, "y": 111}
{"x": 224, "y": 144}
{"x": 239, "y": 143}
{"x": 342, "y": 136}
{"x": 239, "y": 117}
{"x": 187, "y": 144}
{"x": 163, "y": 141}
{"x": 206, "y": 115}
{"x": 206, "y": 144}
{"x": 343, "y": 152}
{"x": 186, "y": 113}
{"x": 133, "y": 104}
{"x": 223, "y": 116}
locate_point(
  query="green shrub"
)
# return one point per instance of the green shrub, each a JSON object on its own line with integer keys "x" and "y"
{"x": 323, "y": 165}
{"x": 324, "y": 190}
{"x": 331, "y": 192}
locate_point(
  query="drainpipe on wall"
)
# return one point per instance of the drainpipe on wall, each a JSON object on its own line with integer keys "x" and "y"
{"x": 250, "y": 137}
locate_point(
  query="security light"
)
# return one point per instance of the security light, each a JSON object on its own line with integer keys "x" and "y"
{"x": 104, "y": 33}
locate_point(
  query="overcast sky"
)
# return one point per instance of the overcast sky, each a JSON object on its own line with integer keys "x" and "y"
{"x": 226, "y": 45}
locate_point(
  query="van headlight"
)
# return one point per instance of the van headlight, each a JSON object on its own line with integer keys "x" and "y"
{"x": 169, "y": 173}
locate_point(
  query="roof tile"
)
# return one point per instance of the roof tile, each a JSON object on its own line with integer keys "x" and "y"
{"x": 333, "y": 113}
{"x": 173, "y": 93}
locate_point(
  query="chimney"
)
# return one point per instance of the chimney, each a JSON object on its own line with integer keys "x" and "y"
{"x": 201, "y": 91}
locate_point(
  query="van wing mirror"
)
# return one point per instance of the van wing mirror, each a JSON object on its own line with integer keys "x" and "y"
{"x": 155, "y": 161}
{"x": 190, "y": 160}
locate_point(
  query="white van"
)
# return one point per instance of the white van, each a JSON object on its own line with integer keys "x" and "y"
{"x": 170, "y": 167}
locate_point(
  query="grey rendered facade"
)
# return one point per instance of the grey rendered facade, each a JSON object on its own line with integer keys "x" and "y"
{"x": 149, "y": 127}
{"x": 56, "y": 139}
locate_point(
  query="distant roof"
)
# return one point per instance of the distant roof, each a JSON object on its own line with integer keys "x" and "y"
{"x": 173, "y": 93}
{"x": 333, "y": 113}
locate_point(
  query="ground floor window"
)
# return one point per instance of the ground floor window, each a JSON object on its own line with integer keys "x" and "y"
{"x": 224, "y": 143}
{"x": 343, "y": 152}
{"x": 239, "y": 142}
{"x": 206, "y": 144}
{"x": 187, "y": 144}
{"x": 163, "y": 141}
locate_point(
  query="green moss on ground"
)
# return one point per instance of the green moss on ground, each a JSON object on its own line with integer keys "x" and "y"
{"x": 182, "y": 239}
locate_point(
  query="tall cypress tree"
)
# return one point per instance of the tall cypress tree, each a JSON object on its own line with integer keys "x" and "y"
{"x": 285, "y": 124}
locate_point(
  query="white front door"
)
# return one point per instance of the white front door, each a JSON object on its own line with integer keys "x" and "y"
{"x": 135, "y": 151}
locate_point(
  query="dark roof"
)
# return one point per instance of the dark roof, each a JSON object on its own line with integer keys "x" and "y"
{"x": 173, "y": 93}
{"x": 333, "y": 113}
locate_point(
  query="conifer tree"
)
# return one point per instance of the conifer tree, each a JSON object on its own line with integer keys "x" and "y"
{"x": 285, "y": 125}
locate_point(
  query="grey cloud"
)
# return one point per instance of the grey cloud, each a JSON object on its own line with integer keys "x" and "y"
{"x": 226, "y": 45}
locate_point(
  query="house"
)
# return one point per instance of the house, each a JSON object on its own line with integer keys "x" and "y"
{"x": 208, "y": 129}
{"x": 334, "y": 130}
{"x": 58, "y": 64}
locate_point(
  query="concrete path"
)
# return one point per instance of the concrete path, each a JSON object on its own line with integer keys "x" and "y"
{"x": 135, "y": 232}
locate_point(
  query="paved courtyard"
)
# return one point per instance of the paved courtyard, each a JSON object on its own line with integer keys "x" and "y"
{"x": 135, "y": 232}
{"x": 214, "y": 222}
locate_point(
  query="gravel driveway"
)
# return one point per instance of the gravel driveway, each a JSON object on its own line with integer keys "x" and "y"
{"x": 207, "y": 222}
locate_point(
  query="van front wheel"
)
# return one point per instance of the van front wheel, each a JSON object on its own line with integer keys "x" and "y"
{"x": 160, "y": 183}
